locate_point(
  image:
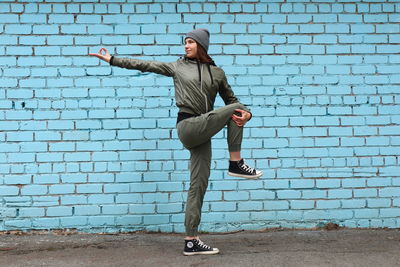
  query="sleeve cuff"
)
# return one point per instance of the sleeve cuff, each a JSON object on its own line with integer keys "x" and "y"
{"x": 111, "y": 60}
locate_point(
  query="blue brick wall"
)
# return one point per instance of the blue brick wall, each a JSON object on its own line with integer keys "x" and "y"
{"x": 91, "y": 147}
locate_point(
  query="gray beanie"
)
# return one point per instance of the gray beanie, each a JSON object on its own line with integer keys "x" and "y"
{"x": 202, "y": 36}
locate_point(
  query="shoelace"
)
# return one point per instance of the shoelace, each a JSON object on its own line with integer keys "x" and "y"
{"x": 246, "y": 168}
{"x": 201, "y": 244}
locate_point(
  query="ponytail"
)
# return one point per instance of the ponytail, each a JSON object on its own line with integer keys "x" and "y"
{"x": 202, "y": 55}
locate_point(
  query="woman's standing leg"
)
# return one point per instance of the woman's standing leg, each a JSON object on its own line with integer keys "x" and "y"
{"x": 200, "y": 164}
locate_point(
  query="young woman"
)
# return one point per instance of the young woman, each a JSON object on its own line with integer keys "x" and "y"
{"x": 197, "y": 80}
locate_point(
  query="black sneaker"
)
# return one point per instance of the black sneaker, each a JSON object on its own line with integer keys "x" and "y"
{"x": 240, "y": 169}
{"x": 197, "y": 247}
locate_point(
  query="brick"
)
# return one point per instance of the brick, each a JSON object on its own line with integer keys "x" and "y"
{"x": 375, "y": 18}
{"x": 224, "y": 206}
{"x": 379, "y": 203}
{"x": 302, "y": 204}
{"x": 314, "y": 111}
{"x": 353, "y": 203}
{"x": 101, "y": 221}
{"x": 61, "y": 189}
{"x": 101, "y": 199}
{"x": 114, "y": 209}
{"x": 104, "y": 156}
{"x": 276, "y": 205}
{"x": 301, "y": 142}
{"x": 327, "y": 204}
{"x": 302, "y": 183}
{"x": 169, "y": 208}
{"x": 19, "y": 223}
{"x": 389, "y": 192}
{"x": 34, "y": 190}
{"x": 288, "y": 194}
{"x": 129, "y": 220}
{"x": 155, "y": 198}
{"x": 73, "y": 178}
{"x": 366, "y": 213}
{"x": 59, "y": 211}
{"x": 311, "y": 70}
{"x": 9, "y": 190}
{"x": 236, "y": 195}
{"x": 339, "y": 193}
{"x": 61, "y": 18}
{"x": 17, "y": 179}
{"x": 290, "y": 152}
{"x": 46, "y": 223}
{"x": 340, "y": 214}
{"x": 389, "y": 212}
{"x": 17, "y": 29}
{"x": 83, "y": 210}
{"x": 73, "y": 221}
{"x": 155, "y": 219}
{"x": 353, "y": 183}
{"x": 48, "y": 29}
{"x": 46, "y": 179}
{"x": 250, "y": 206}
{"x": 315, "y": 131}
{"x": 277, "y": 184}
{"x": 32, "y": 40}
{"x": 327, "y": 142}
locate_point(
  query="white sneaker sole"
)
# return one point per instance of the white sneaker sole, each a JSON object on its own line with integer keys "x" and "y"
{"x": 246, "y": 176}
{"x": 213, "y": 252}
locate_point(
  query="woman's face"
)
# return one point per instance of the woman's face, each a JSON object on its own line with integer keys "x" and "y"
{"x": 190, "y": 48}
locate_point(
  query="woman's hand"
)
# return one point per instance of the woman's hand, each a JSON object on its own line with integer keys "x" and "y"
{"x": 241, "y": 119}
{"x": 102, "y": 54}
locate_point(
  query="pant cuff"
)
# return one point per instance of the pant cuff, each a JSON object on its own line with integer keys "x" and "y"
{"x": 234, "y": 148}
{"x": 192, "y": 232}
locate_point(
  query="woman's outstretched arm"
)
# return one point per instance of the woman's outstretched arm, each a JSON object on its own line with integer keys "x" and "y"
{"x": 163, "y": 68}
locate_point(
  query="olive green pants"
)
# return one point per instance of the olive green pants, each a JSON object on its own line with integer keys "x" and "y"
{"x": 195, "y": 134}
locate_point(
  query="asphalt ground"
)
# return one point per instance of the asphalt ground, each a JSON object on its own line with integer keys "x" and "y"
{"x": 337, "y": 247}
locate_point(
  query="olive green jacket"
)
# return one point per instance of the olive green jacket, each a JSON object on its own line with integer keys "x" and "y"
{"x": 196, "y": 84}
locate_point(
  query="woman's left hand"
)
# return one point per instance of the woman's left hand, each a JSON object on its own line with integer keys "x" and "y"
{"x": 241, "y": 119}
{"x": 102, "y": 54}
